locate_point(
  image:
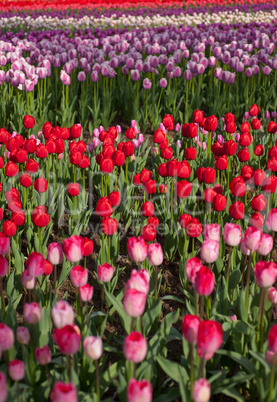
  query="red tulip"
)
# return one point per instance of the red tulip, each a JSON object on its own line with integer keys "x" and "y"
{"x": 104, "y": 207}
{"x": 236, "y": 210}
{"x": 11, "y": 169}
{"x": 28, "y": 121}
{"x": 68, "y": 339}
{"x": 109, "y": 226}
{"x": 40, "y": 216}
{"x": 168, "y": 122}
{"x": 194, "y": 228}
{"x": 73, "y": 189}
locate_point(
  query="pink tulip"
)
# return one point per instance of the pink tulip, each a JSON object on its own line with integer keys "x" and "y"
{"x": 243, "y": 248}
{"x": 4, "y": 266}
{"x": 105, "y": 272}
{"x": 272, "y": 338}
{"x": 192, "y": 267}
{"x": 209, "y": 251}
{"x": 86, "y": 292}
{"x": 134, "y": 302}
{"x": 4, "y": 244}
{"x": 139, "y": 280}
{"x": 269, "y": 356}
{"x": 210, "y": 338}
{"x": 137, "y": 249}
{"x": 190, "y": 328}
{"x": 135, "y": 347}
{"x": 272, "y": 295}
{"x": 3, "y": 387}
{"x": 266, "y": 244}
{"x": 16, "y": 370}
{"x": 55, "y": 253}
{"x": 64, "y": 392}
{"x": 93, "y": 347}
{"x": 35, "y": 264}
{"x": 32, "y": 313}
{"x": 212, "y": 232}
{"x": 252, "y": 238}
{"x": 62, "y": 314}
{"x": 43, "y": 355}
{"x": 22, "y": 335}
{"x": 155, "y": 254}
{"x": 233, "y": 318}
{"x": 78, "y": 276}
{"x": 139, "y": 391}
{"x": 6, "y": 337}
{"x": 265, "y": 273}
{"x": 271, "y": 221}
{"x": 201, "y": 390}
{"x": 28, "y": 281}
{"x": 74, "y": 248}
{"x": 232, "y": 234}
{"x": 204, "y": 281}
{"x": 68, "y": 339}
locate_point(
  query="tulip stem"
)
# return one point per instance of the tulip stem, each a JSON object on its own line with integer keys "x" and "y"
{"x": 102, "y": 296}
{"x": 193, "y": 246}
{"x": 172, "y": 189}
{"x": 201, "y": 305}
{"x": 260, "y": 332}
{"x": 271, "y": 253}
{"x": 228, "y": 268}
{"x": 109, "y": 249}
{"x": 248, "y": 281}
{"x": 185, "y": 246}
{"x": 2, "y": 297}
{"x": 272, "y": 378}
{"x": 39, "y": 239}
{"x": 69, "y": 367}
{"x": 9, "y": 261}
{"x": 156, "y": 282}
{"x": 126, "y": 171}
{"x": 87, "y": 312}
{"x": 196, "y": 302}
{"x": 55, "y": 279}
{"x": 201, "y": 368}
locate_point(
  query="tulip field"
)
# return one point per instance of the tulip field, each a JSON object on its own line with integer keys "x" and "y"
{"x": 138, "y": 201}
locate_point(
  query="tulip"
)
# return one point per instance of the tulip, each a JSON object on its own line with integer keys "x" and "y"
{"x": 64, "y": 392}
{"x": 209, "y": 251}
{"x": 139, "y": 391}
{"x": 134, "y": 302}
{"x": 266, "y": 244}
{"x": 209, "y": 339}
{"x": 105, "y": 272}
{"x": 55, "y": 257}
{"x": 190, "y": 328}
{"x": 192, "y": 267}
{"x": 204, "y": 281}
{"x": 43, "y": 355}
{"x": 93, "y": 347}
{"x": 32, "y": 313}
{"x": 201, "y": 390}
{"x": 137, "y": 249}
{"x": 68, "y": 339}
{"x": 74, "y": 248}
{"x": 22, "y": 335}
{"x": 62, "y": 314}
{"x": 272, "y": 295}
{"x": 135, "y": 347}
{"x": 6, "y": 337}
{"x": 252, "y": 238}
{"x": 16, "y": 370}
{"x": 212, "y": 232}
{"x": 232, "y": 234}
{"x": 35, "y": 264}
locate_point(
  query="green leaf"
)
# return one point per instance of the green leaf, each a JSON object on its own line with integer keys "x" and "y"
{"x": 151, "y": 315}
{"x": 173, "y": 369}
{"x": 237, "y": 357}
{"x": 126, "y": 320}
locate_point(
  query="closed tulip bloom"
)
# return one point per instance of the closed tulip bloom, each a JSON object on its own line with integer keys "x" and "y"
{"x": 11, "y": 169}
{"x": 258, "y": 202}
{"x": 43, "y": 355}
{"x": 22, "y": 335}
{"x": 204, "y": 281}
{"x": 16, "y": 370}
{"x": 194, "y": 228}
{"x": 104, "y": 207}
{"x": 212, "y": 232}
{"x": 209, "y": 251}
{"x": 201, "y": 390}
{"x": 184, "y": 220}
{"x": 86, "y": 292}
{"x": 210, "y": 338}
{"x": 219, "y": 202}
{"x": 209, "y": 195}
{"x": 74, "y": 248}
{"x": 105, "y": 272}
{"x": 114, "y": 198}
{"x": 135, "y": 347}
{"x": 64, "y": 392}
{"x": 190, "y": 328}
{"x": 9, "y": 228}
{"x": 93, "y": 347}
{"x": 62, "y": 314}
{"x": 269, "y": 356}
{"x": 78, "y": 276}
{"x": 232, "y": 234}
{"x": 192, "y": 267}
{"x": 266, "y": 244}
{"x": 139, "y": 281}
{"x": 256, "y": 220}
{"x": 68, "y": 339}
{"x": 155, "y": 254}
{"x": 55, "y": 253}
{"x": 137, "y": 249}
{"x": 134, "y": 302}
{"x": 25, "y": 180}
{"x": 236, "y": 210}
{"x": 272, "y": 295}
{"x": 139, "y": 391}
{"x": 271, "y": 221}
{"x": 265, "y": 273}
{"x": 237, "y": 187}
{"x": 4, "y": 244}
{"x": 6, "y": 337}
{"x": 28, "y": 121}
{"x": 28, "y": 281}
{"x": 32, "y": 313}
{"x": 3, "y": 387}
{"x": 147, "y": 209}
{"x": 272, "y": 338}
{"x": 109, "y": 226}
{"x": 252, "y": 238}
{"x": 41, "y": 185}
{"x": 148, "y": 232}
{"x": 40, "y": 217}
{"x": 73, "y": 189}
{"x": 88, "y": 246}
{"x": 35, "y": 264}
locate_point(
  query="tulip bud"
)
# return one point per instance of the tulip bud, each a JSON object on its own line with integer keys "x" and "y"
{"x": 22, "y": 335}
{"x": 3, "y": 387}
{"x": 137, "y": 249}
{"x": 43, "y": 355}
{"x": 265, "y": 273}
{"x": 266, "y": 244}
{"x": 62, "y": 314}
{"x": 210, "y": 338}
{"x": 209, "y": 251}
{"x": 35, "y": 264}
{"x": 190, "y": 328}
{"x": 192, "y": 267}
{"x": 155, "y": 254}
{"x": 134, "y": 302}
{"x": 32, "y": 313}
{"x": 55, "y": 253}
{"x": 272, "y": 295}
{"x": 78, "y": 276}
{"x": 232, "y": 234}
{"x": 64, "y": 392}
{"x": 204, "y": 281}
{"x": 74, "y": 248}
{"x": 6, "y": 337}
{"x": 252, "y": 238}
{"x": 139, "y": 391}
{"x": 93, "y": 347}
{"x": 16, "y": 370}
{"x": 135, "y": 347}
{"x": 212, "y": 232}
{"x": 201, "y": 390}
{"x": 86, "y": 292}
